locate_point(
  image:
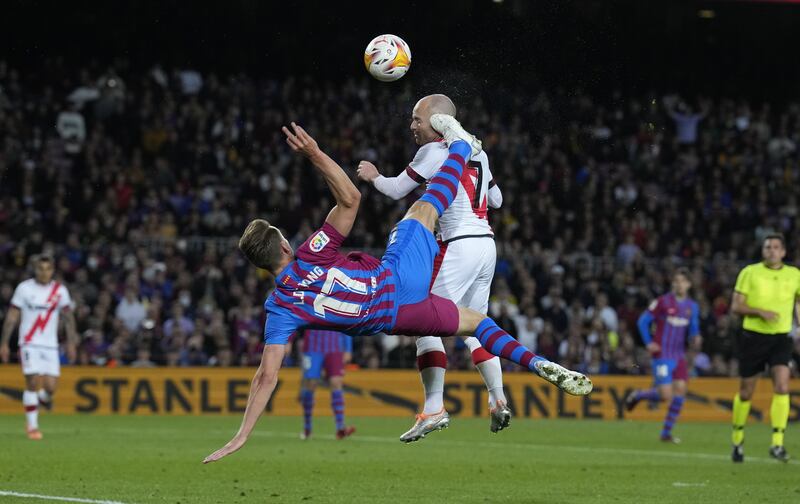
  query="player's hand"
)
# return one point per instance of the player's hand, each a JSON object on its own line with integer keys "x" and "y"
{"x": 232, "y": 446}
{"x": 367, "y": 171}
{"x": 300, "y": 141}
{"x": 653, "y": 347}
{"x": 697, "y": 343}
{"x": 5, "y": 354}
{"x": 347, "y": 357}
{"x": 769, "y": 316}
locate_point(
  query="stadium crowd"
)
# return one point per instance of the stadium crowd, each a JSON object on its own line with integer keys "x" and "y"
{"x": 141, "y": 182}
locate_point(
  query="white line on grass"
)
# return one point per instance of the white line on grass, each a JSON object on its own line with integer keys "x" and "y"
{"x": 488, "y": 444}
{"x": 681, "y": 484}
{"x": 56, "y": 498}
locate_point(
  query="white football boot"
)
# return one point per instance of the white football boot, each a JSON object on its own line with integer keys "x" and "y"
{"x": 500, "y": 416}
{"x": 571, "y": 382}
{"x": 451, "y": 130}
{"x": 425, "y": 424}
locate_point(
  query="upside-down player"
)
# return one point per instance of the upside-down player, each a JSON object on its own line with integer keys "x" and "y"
{"x": 463, "y": 269}
{"x": 318, "y": 287}
{"x": 35, "y": 306}
{"x": 677, "y": 318}
{"x": 328, "y": 350}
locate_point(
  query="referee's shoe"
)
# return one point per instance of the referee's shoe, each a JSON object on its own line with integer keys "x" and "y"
{"x": 779, "y": 453}
{"x": 738, "y": 453}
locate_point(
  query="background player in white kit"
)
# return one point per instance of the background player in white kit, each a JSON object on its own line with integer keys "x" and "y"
{"x": 36, "y": 305}
{"x": 465, "y": 264}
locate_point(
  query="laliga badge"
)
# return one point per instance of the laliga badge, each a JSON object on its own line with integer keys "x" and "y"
{"x": 319, "y": 241}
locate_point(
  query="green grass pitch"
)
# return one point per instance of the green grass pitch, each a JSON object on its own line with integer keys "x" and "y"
{"x": 158, "y": 459}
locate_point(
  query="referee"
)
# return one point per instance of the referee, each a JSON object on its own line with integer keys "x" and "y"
{"x": 766, "y": 294}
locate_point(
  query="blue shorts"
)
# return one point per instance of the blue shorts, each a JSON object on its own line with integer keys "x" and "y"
{"x": 315, "y": 362}
{"x": 667, "y": 370}
{"x": 409, "y": 255}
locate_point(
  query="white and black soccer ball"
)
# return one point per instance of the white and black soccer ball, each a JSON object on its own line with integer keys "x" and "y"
{"x": 387, "y": 58}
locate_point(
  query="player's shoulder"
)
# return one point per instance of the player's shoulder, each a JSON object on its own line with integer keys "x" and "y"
{"x": 432, "y": 152}
{"x": 26, "y": 284}
{"x": 794, "y": 270}
{"x": 752, "y": 267}
{"x": 481, "y": 157}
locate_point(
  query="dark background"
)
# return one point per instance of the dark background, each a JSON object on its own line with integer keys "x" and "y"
{"x": 746, "y": 48}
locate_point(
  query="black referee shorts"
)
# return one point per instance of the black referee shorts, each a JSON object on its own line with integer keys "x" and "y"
{"x": 756, "y": 350}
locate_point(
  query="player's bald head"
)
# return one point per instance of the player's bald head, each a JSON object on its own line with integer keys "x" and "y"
{"x": 437, "y": 104}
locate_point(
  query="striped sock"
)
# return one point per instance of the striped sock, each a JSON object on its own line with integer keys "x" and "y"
{"x": 443, "y": 187}
{"x": 337, "y": 405}
{"x": 501, "y": 344}
{"x": 307, "y": 398}
{"x": 672, "y": 415}
{"x": 648, "y": 395}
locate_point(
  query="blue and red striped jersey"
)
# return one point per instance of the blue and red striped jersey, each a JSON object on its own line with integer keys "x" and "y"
{"x": 324, "y": 289}
{"x": 676, "y": 321}
{"x": 316, "y": 340}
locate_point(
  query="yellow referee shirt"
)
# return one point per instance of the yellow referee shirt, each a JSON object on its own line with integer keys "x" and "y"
{"x": 769, "y": 289}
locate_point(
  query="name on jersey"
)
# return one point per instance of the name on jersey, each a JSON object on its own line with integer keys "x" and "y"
{"x": 312, "y": 275}
{"x": 319, "y": 241}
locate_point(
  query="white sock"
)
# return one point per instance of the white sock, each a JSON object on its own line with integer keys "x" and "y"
{"x": 492, "y": 375}
{"x": 43, "y": 396}
{"x": 31, "y": 402}
{"x": 433, "y": 383}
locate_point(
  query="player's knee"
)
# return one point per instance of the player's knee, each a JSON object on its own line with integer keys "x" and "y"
{"x": 468, "y": 321}
{"x": 666, "y": 395}
{"x": 336, "y": 382}
{"x": 424, "y": 213}
{"x": 427, "y": 344}
{"x": 745, "y": 392}
{"x": 781, "y": 387}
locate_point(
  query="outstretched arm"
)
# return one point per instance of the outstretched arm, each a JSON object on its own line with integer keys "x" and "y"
{"x": 394, "y": 187}
{"x": 261, "y": 389}
{"x": 344, "y": 191}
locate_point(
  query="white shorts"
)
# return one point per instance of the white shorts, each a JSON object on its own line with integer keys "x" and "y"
{"x": 37, "y": 360}
{"x": 466, "y": 272}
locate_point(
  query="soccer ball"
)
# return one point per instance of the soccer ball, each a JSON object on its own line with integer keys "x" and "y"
{"x": 387, "y": 58}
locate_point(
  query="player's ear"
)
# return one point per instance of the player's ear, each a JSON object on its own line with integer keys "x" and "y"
{"x": 286, "y": 249}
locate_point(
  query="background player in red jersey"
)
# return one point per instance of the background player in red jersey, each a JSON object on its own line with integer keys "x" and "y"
{"x": 677, "y": 319}
{"x": 35, "y": 306}
{"x": 464, "y": 268}
{"x": 318, "y": 287}
{"x": 328, "y": 351}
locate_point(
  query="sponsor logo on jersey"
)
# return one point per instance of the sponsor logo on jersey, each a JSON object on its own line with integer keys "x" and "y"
{"x": 319, "y": 241}
{"x": 678, "y": 321}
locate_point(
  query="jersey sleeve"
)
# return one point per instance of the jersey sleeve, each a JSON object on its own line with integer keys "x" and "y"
{"x": 279, "y": 329}
{"x": 17, "y": 299}
{"x": 646, "y": 319}
{"x": 427, "y": 161}
{"x": 495, "y": 195}
{"x": 65, "y": 302}
{"x": 797, "y": 292}
{"x": 743, "y": 282}
{"x": 399, "y": 186}
{"x": 322, "y": 247}
{"x": 694, "y": 322}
